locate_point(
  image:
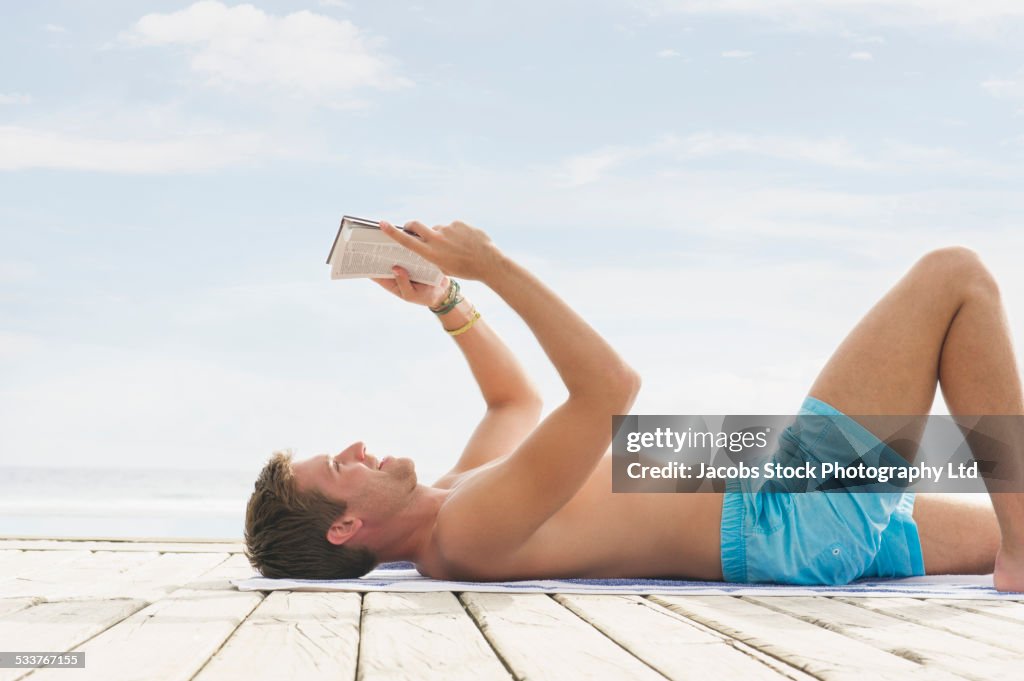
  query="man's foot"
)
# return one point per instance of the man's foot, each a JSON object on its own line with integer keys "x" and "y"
{"x": 1009, "y": 572}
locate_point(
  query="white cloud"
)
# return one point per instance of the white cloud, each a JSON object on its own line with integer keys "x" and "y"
{"x": 861, "y": 56}
{"x": 1005, "y": 88}
{"x": 54, "y": 28}
{"x": 589, "y": 167}
{"x": 17, "y": 271}
{"x": 668, "y": 53}
{"x": 737, "y": 54}
{"x": 15, "y": 98}
{"x": 303, "y": 53}
{"x": 13, "y": 344}
{"x": 811, "y": 13}
{"x": 663, "y": 186}
{"x": 862, "y": 39}
{"x": 23, "y": 148}
{"x": 586, "y": 168}
{"x": 673, "y": 151}
{"x": 831, "y": 151}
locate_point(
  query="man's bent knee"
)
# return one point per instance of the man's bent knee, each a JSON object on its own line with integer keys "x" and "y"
{"x": 950, "y": 259}
{"x": 959, "y": 268}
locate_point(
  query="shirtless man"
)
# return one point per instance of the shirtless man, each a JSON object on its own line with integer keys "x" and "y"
{"x": 531, "y": 498}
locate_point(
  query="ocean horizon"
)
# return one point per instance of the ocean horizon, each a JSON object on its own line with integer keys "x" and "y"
{"x": 111, "y": 502}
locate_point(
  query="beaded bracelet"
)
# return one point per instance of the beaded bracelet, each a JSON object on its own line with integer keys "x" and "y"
{"x": 465, "y": 327}
{"x": 446, "y": 298}
{"x": 451, "y": 299}
{"x": 445, "y": 309}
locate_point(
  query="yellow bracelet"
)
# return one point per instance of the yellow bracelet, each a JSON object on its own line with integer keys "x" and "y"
{"x": 465, "y": 327}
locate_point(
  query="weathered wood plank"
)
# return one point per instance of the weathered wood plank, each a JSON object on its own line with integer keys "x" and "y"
{"x": 292, "y": 635}
{"x": 1001, "y": 633}
{"x": 8, "y": 557}
{"x": 1006, "y": 610}
{"x": 668, "y": 642}
{"x": 21, "y": 563}
{"x": 813, "y": 649}
{"x": 172, "y": 638}
{"x": 539, "y": 639}
{"x": 150, "y": 580}
{"x": 421, "y": 637}
{"x": 933, "y": 648}
{"x": 74, "y": 576}
{"x": 160, "y": 545}
{"x": 9, "y": 605}
{"x": 110, "y": 574}
{"x": 60, "y": 626}
{"x": 167, "y": 540}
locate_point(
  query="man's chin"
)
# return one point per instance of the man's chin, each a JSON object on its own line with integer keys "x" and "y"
{"x": 410, "y": 470}
{"x": 404, "y": 466}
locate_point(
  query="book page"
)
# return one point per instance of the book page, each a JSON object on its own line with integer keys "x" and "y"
{"x": 365, "y": 252}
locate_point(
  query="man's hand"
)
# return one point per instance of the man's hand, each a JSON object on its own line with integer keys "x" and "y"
{"x": 420, "y": 294}
{"x": 458, "y": 249}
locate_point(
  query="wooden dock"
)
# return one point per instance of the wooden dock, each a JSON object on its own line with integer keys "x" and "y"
{"x": 159, "y": 609}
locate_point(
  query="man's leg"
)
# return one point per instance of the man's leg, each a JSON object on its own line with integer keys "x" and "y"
{"x": 958, "y": 537}
{"x": 944, "y": 323}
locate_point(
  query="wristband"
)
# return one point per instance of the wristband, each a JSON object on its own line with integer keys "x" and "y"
{"x": 450, "y": 300}
{"x": 447, "y": 308}
{"x": 465, "y": 327}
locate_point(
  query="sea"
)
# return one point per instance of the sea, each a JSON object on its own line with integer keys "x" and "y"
{"x": 91, "y": 502}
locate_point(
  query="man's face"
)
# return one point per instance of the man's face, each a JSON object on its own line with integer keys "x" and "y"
{"x": 370, "y": 486}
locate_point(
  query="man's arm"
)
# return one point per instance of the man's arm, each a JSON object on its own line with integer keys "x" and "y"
{"x": 513, "y": 403}
{"x": 497, "y": 511}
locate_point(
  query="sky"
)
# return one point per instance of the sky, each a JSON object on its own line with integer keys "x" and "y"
{"x": 721, "y": 188}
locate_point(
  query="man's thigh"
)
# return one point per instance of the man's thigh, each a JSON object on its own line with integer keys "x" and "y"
{"x": 888, "y": 364}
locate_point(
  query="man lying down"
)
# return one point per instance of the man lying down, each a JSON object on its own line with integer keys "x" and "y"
{"x": 531, "y": 498}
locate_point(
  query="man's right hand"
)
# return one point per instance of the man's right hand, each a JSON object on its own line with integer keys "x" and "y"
{"x": 410, "y": 291}
{"x": 458, "y": 249}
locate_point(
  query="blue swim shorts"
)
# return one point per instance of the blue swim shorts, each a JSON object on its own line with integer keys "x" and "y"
{"x": 820, "y": 537}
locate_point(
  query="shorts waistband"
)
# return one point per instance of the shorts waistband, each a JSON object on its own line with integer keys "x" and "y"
{"x": 732, "y": 536}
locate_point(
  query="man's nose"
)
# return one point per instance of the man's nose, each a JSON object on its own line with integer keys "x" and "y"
{"x": 354, "y": 452}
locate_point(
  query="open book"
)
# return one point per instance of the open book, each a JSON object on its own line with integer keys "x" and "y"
{"x": 361, "y": 249}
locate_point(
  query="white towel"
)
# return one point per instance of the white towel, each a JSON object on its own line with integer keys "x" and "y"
{"x": 402, "y": 577}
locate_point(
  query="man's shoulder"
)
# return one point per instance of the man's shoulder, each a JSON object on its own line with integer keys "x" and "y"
{"x": 461, "y": 544}
{"x": 448, "y": 556}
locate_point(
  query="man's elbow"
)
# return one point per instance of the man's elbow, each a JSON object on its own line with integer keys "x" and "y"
{"x": 614, "y": 389}
{"x": 622, "y": 387}
{"x": 532, "y": 405}
{"x": 631, "y": 383}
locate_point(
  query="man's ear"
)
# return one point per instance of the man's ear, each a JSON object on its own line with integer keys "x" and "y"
{"x": 343, "y": 529}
